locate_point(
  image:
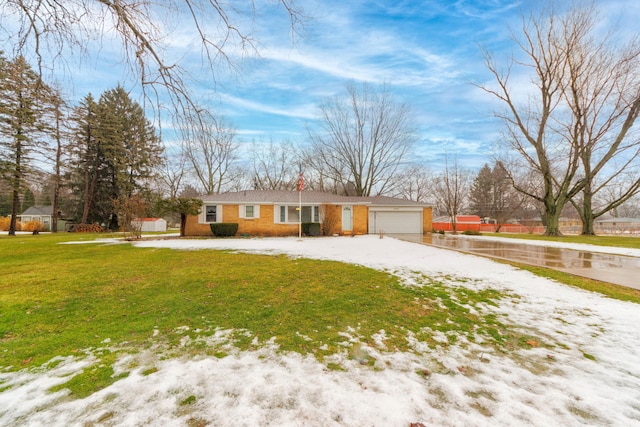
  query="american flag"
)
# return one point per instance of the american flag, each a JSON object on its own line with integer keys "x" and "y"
{"x": 300, "y": 182}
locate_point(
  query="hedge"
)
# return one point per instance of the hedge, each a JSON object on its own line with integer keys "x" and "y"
{"x": 311, "y": 228}
{"x": 224, "y": 229}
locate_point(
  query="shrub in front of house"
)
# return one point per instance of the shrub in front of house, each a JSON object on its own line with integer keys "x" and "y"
{"x": 5, "y": 221}
{"x": 311, "y": 228}
{"x": 33, "y": 226}
{"x": 224, "y": 229}
{"x": 471, "y": 233}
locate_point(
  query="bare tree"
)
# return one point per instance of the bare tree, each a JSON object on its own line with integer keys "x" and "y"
{"x": 274, "y": 166}
{"x": 575, "y": 121}
{"x": 629, "y": 209}
{"x": 451, "y": 189}
{"x": 50, "y": 32}
{"x": 415, "y": 183}
{"x": 211, "y": 151}
{"x": 172, "y": 174}
{"x": 131, "y": 210}
{"x": 363, "y": 138}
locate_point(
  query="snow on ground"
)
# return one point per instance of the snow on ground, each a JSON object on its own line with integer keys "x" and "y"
{"x": 590, "y": 377}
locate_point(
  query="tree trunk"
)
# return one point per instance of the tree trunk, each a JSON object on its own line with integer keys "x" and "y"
{"x": 183, "y": 224}
{"x": 17, "y": 175}
{"x": 14, "y": 213}
{"x": 56, "y": 185}
{"x": 553, "y": 223}
{"x": 587, "y": 211}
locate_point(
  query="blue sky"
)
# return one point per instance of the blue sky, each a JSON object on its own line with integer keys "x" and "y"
{"x": 427, "y": 51}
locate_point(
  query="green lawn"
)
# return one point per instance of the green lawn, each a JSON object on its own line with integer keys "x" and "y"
{"x": 61, "y": 300}
{"x": 107, "y": 299}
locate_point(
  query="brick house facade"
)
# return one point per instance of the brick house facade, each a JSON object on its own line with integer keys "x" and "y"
{"x": 277, "y": 213}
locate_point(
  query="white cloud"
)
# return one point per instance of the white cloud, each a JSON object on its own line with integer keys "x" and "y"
{"x": 302, "y": 111}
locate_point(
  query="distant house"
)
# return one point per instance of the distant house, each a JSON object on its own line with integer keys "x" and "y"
{"x": 42, "y": 214}
{"x": 617, "y": 225}
{"x": 151, "y": 224}
{"x": 278, "y": 213}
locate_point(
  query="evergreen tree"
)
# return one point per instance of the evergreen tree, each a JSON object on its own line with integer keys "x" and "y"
{"x": 493, "y": 196}
{"x": 86, "y": 162}
{"x": 114, "y": 153}
{"x": 481, "y": 195}
{"x": 131, "y": 147}
{"x": 23, "y": 101}
{"x": 60, "y": 136}
{"x": 28, "y": 200}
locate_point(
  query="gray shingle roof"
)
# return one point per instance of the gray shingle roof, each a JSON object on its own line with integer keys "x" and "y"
{"x": 308, "y": 197}
{"x": 39, "y": 210}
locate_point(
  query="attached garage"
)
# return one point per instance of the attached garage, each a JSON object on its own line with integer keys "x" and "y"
{"x": 395, "y": 220}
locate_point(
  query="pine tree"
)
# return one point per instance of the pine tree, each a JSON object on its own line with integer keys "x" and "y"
{"x": 481, "y": 195}
{"x": 114, "y": 154}
{"x": 86, "y": 159}
{"x": 130, "y": 144}
{"x": 23, "y": 101}
{"x": 493, "y": 196}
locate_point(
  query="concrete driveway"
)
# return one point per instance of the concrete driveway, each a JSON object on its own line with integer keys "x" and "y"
{"x": 616, "y": 269}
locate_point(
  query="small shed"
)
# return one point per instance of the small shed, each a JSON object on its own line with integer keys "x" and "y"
{"x": 151, "y": 224}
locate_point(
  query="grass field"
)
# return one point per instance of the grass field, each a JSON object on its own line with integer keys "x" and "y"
{"x": 74, "y": 299}
{"x": 103, "y": 300}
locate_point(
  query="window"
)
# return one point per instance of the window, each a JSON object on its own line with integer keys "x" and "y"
{"x": 292, "y": 214}
{"x": 249, "y": 211}
{"x": 310, "y": 214}
{"x": 211, "y": 213}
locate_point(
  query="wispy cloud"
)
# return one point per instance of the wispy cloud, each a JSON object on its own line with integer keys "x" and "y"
{"x": 301, "y": 111}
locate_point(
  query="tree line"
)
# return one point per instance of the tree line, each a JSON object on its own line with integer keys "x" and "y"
{"x": 87, "y": 157}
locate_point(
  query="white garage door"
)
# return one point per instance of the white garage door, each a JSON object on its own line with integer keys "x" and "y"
{"x": 395, "y": 222}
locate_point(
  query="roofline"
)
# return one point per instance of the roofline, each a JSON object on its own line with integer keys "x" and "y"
{"x": 284, "y": 197}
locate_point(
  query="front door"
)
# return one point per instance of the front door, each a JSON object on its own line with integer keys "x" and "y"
{"x": 347, "y": 218}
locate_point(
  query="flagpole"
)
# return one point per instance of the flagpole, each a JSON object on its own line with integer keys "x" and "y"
{"x": 299, "y": 213}
{"x": 300, "y": 187}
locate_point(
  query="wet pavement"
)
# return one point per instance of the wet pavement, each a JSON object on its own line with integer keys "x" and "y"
{"x": 616, "y": 269}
